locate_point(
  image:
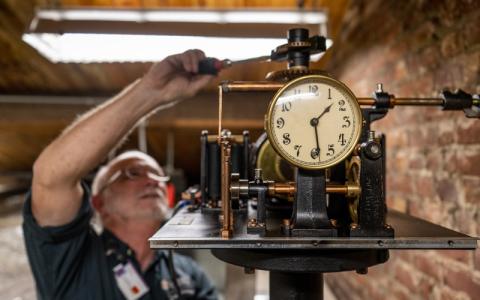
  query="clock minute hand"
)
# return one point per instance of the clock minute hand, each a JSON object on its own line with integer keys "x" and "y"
{"x": 314, "y": 124}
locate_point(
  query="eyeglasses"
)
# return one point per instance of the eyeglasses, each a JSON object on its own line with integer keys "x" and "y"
{"x": 136, "y": 172}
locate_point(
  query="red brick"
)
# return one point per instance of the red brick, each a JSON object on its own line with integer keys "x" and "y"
{"x": 425, "y": 186}
{"x": 404, "y": 255}
{"x": 402, "y": 184}
{"x": 464, "y": 219}
{"x": 468, "y": 132}
{"x": 471, "y": 187}
{"x": 476, "y": 260}
{"x": 400, "y": 162}
{"x": 467, "y": 163}
{"x": 446, "y": 138}
{"x": 414, "y": 208}
{"x": 446, "y": 190}
{"x": 405, "y": 277}
{"x": 448, "y": 294}
{"x": 400, "y": 294}
{"x": 396, "y": 138}
{"x": 434, "y": 160}
{"x": 425, "y": 288}
{"x": 457, "y": 255}
{"x": 450, "y": 160}
{"x": 397, "y": 203}
{"x": 427, "y": 264}
{"x": 417, "y": 162}
{"x": 463, "y": 280}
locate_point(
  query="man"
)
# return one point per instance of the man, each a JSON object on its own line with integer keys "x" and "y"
{"x": 69, "y": 260}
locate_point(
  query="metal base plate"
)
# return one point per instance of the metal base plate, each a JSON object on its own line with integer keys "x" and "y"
{"x": 202, "y": 231}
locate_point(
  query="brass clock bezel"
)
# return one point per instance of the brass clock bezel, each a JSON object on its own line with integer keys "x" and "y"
{"x": 333, "y": 83}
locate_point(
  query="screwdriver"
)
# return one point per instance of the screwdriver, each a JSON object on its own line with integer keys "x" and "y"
{"x": 211, "y": 65}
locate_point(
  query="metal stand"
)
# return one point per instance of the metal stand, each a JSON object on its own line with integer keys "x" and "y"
{"x": 310, "y": 209}
{"x": 292, "y": 286}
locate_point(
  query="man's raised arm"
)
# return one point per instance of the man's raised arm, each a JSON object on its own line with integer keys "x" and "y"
{"x": 56, "y": 189}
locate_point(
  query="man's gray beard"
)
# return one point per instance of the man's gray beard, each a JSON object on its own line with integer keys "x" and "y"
{"x": 160, "y": 213}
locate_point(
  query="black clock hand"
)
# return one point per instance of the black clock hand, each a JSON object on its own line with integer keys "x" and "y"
{"x": 316, "y": 139}
{"x": 314, "y": 122}
{"x": 327, "y": 109}
{"x": 316, "y": 152}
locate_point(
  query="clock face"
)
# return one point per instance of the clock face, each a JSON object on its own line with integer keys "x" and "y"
{"x": 314, "y": 122}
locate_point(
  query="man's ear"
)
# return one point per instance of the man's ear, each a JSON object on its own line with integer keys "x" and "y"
{"x": 97, "y": 202}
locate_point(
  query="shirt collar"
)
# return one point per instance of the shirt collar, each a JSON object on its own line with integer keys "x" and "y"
{"x": 115, "y": 246}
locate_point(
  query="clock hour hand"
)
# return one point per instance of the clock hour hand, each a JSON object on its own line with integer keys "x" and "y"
{"x": 327, "y": 109}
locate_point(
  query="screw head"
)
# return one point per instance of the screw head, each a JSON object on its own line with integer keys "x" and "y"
{"x": 379, "y": 88}
{"x": 375, "y": 149}
{"x": 372, "y": 149}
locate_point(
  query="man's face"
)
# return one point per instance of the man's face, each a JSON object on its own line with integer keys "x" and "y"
{"x": 135, "y": 190}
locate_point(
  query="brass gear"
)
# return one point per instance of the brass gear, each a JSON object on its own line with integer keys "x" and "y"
{"x": 292, "y": 73}
{"x": 353, "y": 166}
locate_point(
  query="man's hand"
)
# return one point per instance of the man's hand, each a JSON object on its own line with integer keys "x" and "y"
{"x": 175, "y": 78}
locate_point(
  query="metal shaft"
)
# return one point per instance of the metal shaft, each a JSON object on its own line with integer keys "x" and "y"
{"x": 296, "y": 286}
{"x": 405, "y": 101}
{"x": 288, "y": 188}
{"x": 269, "y": 86}
{"x": 226, "y": 148}
{"x": 250, "y": 86}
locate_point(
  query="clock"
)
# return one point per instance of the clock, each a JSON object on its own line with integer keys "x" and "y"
{"x": 314, "y": 122}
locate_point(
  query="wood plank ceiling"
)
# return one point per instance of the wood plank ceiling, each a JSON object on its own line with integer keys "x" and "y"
{"x": 25, "y": 128}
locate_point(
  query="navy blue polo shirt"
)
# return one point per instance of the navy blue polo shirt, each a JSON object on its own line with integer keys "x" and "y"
{"x": 73, "y": 262}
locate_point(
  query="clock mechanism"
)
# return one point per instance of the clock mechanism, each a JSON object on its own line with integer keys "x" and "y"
{"x": 319, "y": 169}
{"x": 309, "y": 195}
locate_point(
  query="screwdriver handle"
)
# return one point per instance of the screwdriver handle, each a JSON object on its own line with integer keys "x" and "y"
{"x": 210, "y": 66}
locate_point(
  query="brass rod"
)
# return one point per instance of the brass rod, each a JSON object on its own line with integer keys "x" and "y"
{"x": 418, "y": 101}
{"x": 250, "y": 86}
{"x": 336, "y": 189}
{"x": 226, "y": 231}
{"x": 281, "y": 188}
{"x": 220, "y": 104}
{"x": 366, "y": 101}
{"x": 268, "y": 86}
{"x": 405, "y": 101}
{"x": 288, "y": 188}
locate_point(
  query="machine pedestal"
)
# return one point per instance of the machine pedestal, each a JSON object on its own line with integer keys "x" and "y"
{"x": 296, "y": 286}
{"x": 298, "y": 274}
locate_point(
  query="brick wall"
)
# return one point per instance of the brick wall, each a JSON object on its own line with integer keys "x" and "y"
{"x": 417, "y": 48}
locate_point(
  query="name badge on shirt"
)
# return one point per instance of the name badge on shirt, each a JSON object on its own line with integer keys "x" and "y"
{"x": 129, "y": 281}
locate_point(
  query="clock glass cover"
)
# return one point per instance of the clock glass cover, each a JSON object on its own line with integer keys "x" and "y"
{"x": 314, "y": 122}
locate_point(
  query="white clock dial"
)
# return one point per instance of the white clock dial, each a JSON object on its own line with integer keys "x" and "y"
{"x": 314, "y": 122}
